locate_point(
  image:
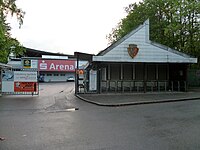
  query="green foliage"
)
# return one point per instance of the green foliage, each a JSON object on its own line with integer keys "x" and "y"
{"x": 175, "y": 23}
{"x": 6, "y": 41}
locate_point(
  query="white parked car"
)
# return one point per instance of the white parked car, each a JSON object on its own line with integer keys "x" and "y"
{"x": 70, "y": 79}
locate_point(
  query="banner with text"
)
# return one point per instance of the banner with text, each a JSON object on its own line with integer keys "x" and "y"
{"x": 25, "y": 76}
{"x": 25, "y": 86}
{"x": 56, "y": 65}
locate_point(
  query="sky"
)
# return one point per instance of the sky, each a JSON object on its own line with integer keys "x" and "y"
{"x": 68, "y": 26}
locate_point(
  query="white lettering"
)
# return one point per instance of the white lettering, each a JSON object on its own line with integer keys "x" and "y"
{"x": 52, "y": 66}
{"x": 71, "y": 67}
{"x": 61, "y": 67}
{"x": 66, "y": 67}
{"x": 43, "y": 65}
{"x": 57, "y": 67}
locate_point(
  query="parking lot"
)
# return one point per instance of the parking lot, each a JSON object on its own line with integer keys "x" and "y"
{"x": 42, "y": 122}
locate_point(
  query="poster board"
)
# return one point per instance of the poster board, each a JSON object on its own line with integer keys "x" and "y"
{"x": 20, "y": 82}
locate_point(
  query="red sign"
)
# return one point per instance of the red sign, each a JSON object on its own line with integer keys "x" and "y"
{"x": 56, "y": 65}
{"x": 25, "y": 86}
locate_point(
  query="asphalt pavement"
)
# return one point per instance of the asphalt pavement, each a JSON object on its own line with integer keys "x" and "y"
{"x": 43, "y": 123}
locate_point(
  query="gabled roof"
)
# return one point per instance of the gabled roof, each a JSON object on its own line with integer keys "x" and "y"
{"x": 148, "y": 51}
{"x": 120, "y": 41}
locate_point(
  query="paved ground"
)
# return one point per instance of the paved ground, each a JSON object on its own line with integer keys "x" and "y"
{"x": 52, "y": 96}
{"x": 40, "y": 123}
{"x": 117, "y": 99}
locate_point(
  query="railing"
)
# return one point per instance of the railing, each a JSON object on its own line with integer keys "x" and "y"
{"x": 140, "y": 85}
{"x": 178, "y": 86}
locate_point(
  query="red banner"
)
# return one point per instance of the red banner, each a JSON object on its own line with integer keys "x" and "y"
{"x": 56, "y": 65}
{"x": 25, "y": 87}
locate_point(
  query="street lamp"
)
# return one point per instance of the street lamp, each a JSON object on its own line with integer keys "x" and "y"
{"x": 11, "y": 54}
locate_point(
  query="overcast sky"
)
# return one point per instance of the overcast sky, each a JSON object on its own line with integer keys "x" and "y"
{"x": 66, "y": 26}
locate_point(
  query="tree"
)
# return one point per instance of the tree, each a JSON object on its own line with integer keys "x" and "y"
{"x": 6, "y": 41}
{"x": 175, "y": 23}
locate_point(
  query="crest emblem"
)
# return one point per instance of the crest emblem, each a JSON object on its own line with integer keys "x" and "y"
{"x": 133, "y": 50}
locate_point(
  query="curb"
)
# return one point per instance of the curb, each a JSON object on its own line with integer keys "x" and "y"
{"x": 137, "y": 103}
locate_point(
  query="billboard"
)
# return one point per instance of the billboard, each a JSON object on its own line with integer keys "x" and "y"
{"x": 56, "y": 65}
{"x": 19, "y": 82}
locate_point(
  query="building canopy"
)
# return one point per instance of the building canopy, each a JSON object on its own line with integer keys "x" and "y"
{"x": 136, "y": 47}
{"x": 3, "y": 66}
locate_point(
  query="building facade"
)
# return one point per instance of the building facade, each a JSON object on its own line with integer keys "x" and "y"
{"x": 56, "y": 70}
{"x": 136, "y": 64}
{"x": 51, "y": 67}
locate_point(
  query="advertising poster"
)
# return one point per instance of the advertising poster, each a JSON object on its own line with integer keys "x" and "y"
{"x": 25, "y": 87}
{"x": 28, "y": 63}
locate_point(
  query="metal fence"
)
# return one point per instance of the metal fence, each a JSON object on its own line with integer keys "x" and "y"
{"x": 138, "y": 86}
{"x": 193, "y": 78}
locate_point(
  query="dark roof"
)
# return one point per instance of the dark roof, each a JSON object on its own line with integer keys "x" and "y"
{"x": 83, "y": 56}
{"x": 38, "y": 53}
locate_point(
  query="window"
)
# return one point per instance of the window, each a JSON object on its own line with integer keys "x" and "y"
{"x": 151, "y": 72}
{"x": 162, "y": 72}
{"x": 56, "y": 74}
{"x": 48, "y": 74}
{"x": 62, "y": 74}
{"x": 115, "y": 71}
{"x": 139, "y": 71}
{"x": 127, "y": 71}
